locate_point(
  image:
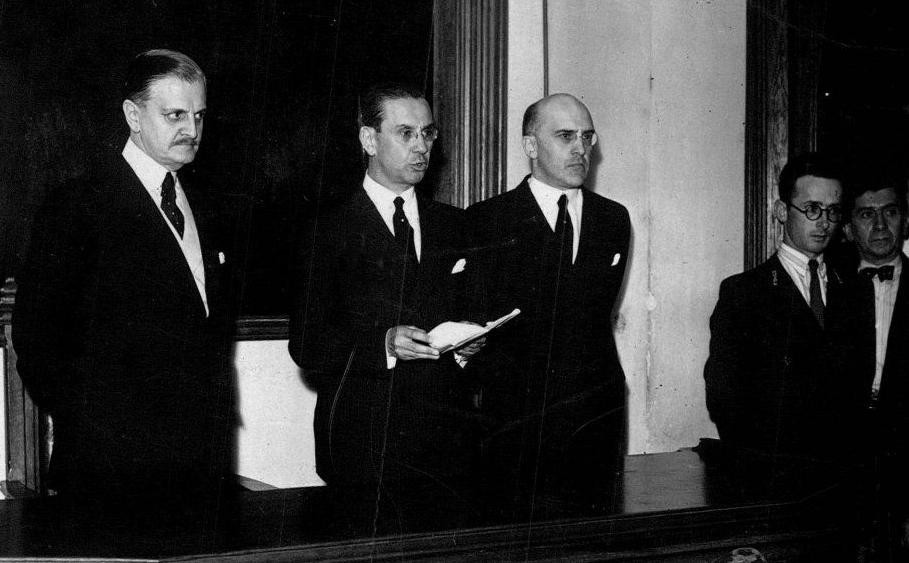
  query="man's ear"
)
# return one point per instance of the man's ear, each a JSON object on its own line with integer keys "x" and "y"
{"x": 131, "y": 113}
{"x": 781, "y": 211}
{"x": 529, "y": 143}
{"x": 368, "y": 140}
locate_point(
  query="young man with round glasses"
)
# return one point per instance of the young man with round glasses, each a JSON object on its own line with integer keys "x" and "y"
{"x": 783, "y": 376}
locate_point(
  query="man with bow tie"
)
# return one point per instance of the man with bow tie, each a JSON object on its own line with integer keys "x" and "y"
{"x": 122, "y": 325}
{"x": 878, "y": 228}
{"x": 783, "y": 376}
{"x": 376, "y": 273}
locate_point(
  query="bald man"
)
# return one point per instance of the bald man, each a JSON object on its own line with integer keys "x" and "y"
{"x": 551, "y": 383}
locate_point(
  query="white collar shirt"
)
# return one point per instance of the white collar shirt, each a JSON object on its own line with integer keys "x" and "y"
{"x": 884, "y": 299}
{"x": 547, "y": 199}
{"x": 796, "y": 265}
{"x": 384, "y": 200}
{"x": 152, "y": 174}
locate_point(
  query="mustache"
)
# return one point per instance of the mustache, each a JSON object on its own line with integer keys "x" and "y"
{"x": 186, "y": 141}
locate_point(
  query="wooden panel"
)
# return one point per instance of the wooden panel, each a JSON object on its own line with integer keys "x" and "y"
{"x": 28, "y": 434}
{"x": 469, "y": 98}
{"x": 767, "y": 124}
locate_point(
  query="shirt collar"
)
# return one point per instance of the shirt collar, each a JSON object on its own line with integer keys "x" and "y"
{"x": 150, "y": 173}
{"x": 799, "y": 258}
{"x": 382, "y": 196}
{"x": 545, "y": 193}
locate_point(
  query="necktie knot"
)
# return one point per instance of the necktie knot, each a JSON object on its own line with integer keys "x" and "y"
{"x": 169, "y": 203}
{"x": 883, "y": 273}
{"x": 403, "y": 231}
{"x": 813, "y": 265}
{"x": 168, "y": 191}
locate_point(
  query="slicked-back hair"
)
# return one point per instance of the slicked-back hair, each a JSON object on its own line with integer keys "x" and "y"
{"x": 807, "y": 164}
{"x": 371, "y": 110}
{"x": 149, "y": 66}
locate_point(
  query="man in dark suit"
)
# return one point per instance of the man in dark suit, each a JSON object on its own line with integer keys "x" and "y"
{"x": 121, "y": 322}
{"x": 782, "y": 377}
{"x": 376, "y": 272}
{"x": 553, "y": 389}
{"x": 878, "y": 228}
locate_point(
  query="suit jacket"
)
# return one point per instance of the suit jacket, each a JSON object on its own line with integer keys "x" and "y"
{"x": 776, "y": 381}
{"x": 354, "y": 283}
{"x": 551, "y": 378}
{"x": 887, "y": 429}
{"x": 113, "y": 340}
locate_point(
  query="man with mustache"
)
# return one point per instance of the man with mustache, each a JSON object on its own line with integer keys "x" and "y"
{"x": 121, "y": 324}
{"x": 783, "y": 377}
{"x": 552, "y": 387}
{"x": 877, "y": 226}
{"x": 375, "y": 273}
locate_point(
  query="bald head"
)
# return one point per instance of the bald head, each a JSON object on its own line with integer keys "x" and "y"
{"x": 559, "y": 138}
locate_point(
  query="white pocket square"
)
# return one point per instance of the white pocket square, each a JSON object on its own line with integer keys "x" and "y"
{"x": 616, "y": 258}
{"x": 221, "y": 258}
{"x": 459, "y": 266}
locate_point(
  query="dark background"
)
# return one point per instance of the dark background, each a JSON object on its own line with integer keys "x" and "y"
{"x": 280, "y": 131}
{"x": 863, "y": 109}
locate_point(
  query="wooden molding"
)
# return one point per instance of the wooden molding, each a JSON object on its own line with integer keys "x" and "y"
{"x": 470, "y": 93}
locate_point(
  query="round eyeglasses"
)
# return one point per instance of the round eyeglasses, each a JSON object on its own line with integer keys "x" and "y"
{"x": 813, "y": 212}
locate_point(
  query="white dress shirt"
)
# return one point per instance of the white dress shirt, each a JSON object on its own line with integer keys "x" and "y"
{"x": 547, "y": 198}
{"x": 884, "y": 299}
{"x": 151, "y": 174}
{"x": 384, "y": 200}
{"x": 796, "y": 265}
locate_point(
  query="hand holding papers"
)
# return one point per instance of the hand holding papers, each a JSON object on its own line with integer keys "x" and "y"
{"x": 451, "y": 335}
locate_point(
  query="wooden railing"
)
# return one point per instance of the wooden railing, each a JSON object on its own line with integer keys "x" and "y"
{"x": 27, "y": 438}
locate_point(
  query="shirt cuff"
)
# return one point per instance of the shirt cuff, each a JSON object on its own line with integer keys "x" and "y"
{"x": 460, "y": 360}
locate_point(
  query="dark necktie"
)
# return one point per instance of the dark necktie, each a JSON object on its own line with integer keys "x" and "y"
{"x": 564, "y": 230}
{"x": 403, "y": 231}
{"x": 814, "y": 292}
{"x": 169, "y": 203}
{"x": 883, "y": 273}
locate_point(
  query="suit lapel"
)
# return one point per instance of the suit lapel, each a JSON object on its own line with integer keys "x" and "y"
{"x": 164, "y": 250}
{"x": 528, "y": 213}
{"x": 787, "y": 295}
{"x": 899, "y": 325}
{"x": 374, "y": 226}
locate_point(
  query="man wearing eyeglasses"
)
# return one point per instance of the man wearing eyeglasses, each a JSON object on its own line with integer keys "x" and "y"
{"x": 378, "y": 271}
{"x": 783, "y": 376}
{"x": 552, "y": 385}
{"x": 877, "y": 226}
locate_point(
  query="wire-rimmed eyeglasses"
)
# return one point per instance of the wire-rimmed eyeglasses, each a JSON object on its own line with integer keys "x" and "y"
{"x": 407, "y": 135}
{"x": 813, "y": 212}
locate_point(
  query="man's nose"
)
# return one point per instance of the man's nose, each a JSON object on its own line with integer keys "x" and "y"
{"x": 191, "y": 128}
{"x": 420, "y": 145}
{"x": 879, "y": 221}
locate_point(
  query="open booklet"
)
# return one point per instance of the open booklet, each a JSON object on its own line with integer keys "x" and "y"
{"x": 450, "y": 334}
